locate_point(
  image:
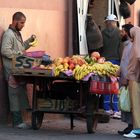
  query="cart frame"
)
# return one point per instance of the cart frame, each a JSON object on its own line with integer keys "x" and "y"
{"x": 90, "y": 101}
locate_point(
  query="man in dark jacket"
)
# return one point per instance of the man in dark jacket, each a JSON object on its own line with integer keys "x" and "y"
{"x": 111, "y": 51}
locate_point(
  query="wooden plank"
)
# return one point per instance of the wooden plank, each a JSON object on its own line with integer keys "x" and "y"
{"x": 45, "y": 72}
{"x": 24, "y": 65}
{"x": 58, "y": 105}
{"x": 22, "y": 61}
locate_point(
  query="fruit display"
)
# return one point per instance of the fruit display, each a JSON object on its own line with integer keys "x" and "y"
{"x": 94, "y": 58}
{"x": 68, "y": 63}
{"x": 80, "y": 66}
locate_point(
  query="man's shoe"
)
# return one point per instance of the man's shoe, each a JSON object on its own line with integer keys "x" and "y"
{"x": 127, "y": 130}
{"x": 110, "y": 112}
{"x": 121, "y": 132}
{"x": 23, "y": 126}
{"x": 130, "y": 135}
{"x": 124, "y": 132}
{"x": 116, "y": 115}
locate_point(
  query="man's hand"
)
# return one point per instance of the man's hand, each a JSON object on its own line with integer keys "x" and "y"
{"x": 33, "y": 37}
{"x": 34, "y": 41}
{"x": 24, "y": 52}
{"x": 125, "y": 82}
{"x": 118, "y": 73}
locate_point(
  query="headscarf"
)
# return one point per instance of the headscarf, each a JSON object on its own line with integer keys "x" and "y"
{"x": 135, "y": 34}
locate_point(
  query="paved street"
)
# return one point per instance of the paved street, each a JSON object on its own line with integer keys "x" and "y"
{"x": 59, "y": 129}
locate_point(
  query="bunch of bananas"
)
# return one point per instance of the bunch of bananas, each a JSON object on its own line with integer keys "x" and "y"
{"x": 111, "y": 68}
{"x": 81, "y": 71}
{"x": 60, "y": 68}
{"x": 106, "y": 68}
{"x": 34, "y": 43}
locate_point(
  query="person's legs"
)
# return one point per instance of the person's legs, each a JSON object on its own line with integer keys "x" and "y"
{"x": 14, "y": 106}
{"x": 135, "y": 98}
{"x": 135, "y": 103}
{"x": 115, "y": 103}
{"x": 127, "y": 130}
{"x": 107, "y": 99}
{"x": 18, "y": 100}
{"x": 127, "y": 116}
{"x": 23, "y": 98}
{"x": 117, "y": 113}
{"x": 114, "y": 98}
{"x": 17, "y": 118}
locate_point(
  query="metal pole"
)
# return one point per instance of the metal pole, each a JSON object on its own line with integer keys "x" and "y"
{"x": 112, "y": 7}
{"x": 109, "y": 7}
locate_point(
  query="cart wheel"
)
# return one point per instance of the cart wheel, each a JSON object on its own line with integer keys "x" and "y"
{"x": 90, "y": 117}
{"x": 37, "y": 118}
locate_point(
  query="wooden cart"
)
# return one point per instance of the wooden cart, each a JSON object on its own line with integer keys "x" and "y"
{"x": 61, "y": 94}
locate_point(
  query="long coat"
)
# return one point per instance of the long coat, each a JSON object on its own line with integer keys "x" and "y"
{"x": 12, "y": 44}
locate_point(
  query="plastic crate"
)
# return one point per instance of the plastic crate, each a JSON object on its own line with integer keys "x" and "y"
{"x": 100, "y": 87}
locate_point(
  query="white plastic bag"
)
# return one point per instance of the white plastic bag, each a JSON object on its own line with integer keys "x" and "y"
{"x": 124, "y": 99}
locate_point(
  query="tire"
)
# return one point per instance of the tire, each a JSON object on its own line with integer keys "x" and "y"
{"x": 37, "y": 118}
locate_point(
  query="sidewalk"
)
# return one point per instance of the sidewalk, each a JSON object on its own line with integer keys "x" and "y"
{"x": 80, "y": 125}
{"x": 58, "y": 128}
{"x": 59, "y": 122}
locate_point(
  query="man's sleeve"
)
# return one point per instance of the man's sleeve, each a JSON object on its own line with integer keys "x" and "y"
{"x": 7, "y": 46}
{"x": 26, "y": 43}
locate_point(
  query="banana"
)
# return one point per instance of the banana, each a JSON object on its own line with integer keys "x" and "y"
{"x": 56, "y": 72}
{"x": 99, "y": 73}
{"x": 34, "y": 43}
{"x": 104, "y": 72}
{"x": 79, "y": 73}
{"x": 76, "y": 71}
{"x": 83, "y": 72}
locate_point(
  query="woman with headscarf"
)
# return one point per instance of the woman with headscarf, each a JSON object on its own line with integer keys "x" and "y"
{"x": 134, "y": 77}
